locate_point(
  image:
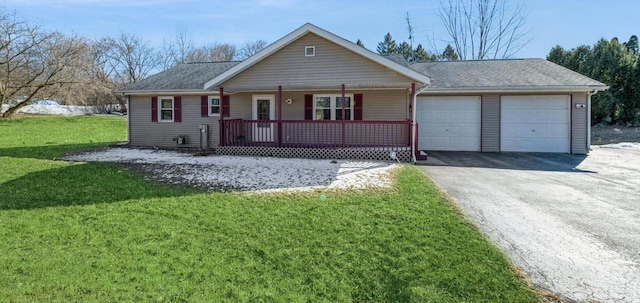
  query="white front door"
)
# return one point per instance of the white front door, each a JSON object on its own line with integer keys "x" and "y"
{"x": 263, "y": 109}
{"x": 449, "y": 123}
{"x": 535, "y": 123}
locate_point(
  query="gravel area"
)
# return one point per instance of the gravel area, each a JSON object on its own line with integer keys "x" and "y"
{"x": 608, "y": 134}
{"x": 236, "y": 173}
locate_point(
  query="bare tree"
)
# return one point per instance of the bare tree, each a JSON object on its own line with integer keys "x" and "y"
{"x": 213, "y": 52}
{"x": 252, "y": 48}
{"x": 34, "y": 64}
{"x": 485, "y": 29}
{"x": 177, "y": 50}
{"x": 128, "y": 58}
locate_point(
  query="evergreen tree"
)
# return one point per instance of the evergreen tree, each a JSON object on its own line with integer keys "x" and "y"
{"x": 359, "y": 43}
{"x": 388, "y": 46}
{"x": 420, "y": 55}
{"x": 449, "y": 54}
{"x": 632, "y": 44}
{"x": 558, "y": 55}
{"x": 406, "y": 51}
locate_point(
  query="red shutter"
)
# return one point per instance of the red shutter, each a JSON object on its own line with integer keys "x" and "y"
{"x": 204, "y": 106}
{"x": 154, "y": 109}
{"x": 226, "y": 112}
{"x": 357, "y": 107}
{"x": 308, "y": 107}
{"x": 177, "y": 109}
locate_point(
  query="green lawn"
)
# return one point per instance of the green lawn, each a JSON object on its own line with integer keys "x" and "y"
{"x": 90, "y": 232}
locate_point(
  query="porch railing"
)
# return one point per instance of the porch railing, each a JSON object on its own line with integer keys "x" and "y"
{"x": 385, "y": 135}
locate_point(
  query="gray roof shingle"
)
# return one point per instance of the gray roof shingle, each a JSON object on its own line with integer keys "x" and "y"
{"x": 185, "y": 76}
{"x": 515, "y": 73}
{"x": 463, "y": 75}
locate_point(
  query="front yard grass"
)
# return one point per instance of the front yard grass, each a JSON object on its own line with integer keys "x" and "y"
{"x": 95, "y": 232}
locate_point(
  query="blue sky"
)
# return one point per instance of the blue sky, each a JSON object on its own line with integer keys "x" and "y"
{"x": 568, "y": 23}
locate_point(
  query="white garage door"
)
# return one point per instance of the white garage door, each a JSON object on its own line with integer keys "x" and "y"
{"x": 535, "y": 124}
{"x": 448, "y": 123}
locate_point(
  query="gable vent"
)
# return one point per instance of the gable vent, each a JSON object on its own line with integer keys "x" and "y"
{"x": 309, "y": 51}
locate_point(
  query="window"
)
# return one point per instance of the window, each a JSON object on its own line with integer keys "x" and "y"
{"x": 214, "y": 106}
{"x": 166, "y": 109}
{"x": 329, "y": 107}
{"x": 309, "y": 51}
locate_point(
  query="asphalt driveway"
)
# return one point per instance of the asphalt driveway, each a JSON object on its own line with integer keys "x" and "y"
{"x": 572, "y": 223}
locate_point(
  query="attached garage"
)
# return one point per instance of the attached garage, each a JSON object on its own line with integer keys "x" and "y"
{"x": 450, "y": 123}
{"x": 535, "y": 123}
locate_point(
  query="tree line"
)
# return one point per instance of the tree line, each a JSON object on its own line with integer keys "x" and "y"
{"x": 36, "y": 64}
{"x": 617, "y": 65}
{"x": 389, "y": 47}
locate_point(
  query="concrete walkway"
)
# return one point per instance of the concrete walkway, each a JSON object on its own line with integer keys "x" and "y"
{"x": 571, "y": 222}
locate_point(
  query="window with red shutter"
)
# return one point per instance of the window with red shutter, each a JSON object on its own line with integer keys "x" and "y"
{"x": 204, "y": 106}
{"x": 154, "y": 109}
{"x": 226, "y": 111}
{"x": 308, "y": 107}
{"x": 177, "y": 109}
{"x": 357, "y": 107}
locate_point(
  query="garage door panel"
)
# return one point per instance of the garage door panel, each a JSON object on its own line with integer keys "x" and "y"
{"x": 535, "y": 123}
{"x": 449, "y": 123}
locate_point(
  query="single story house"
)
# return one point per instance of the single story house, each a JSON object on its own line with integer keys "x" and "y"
{"x": 314, "y": 94}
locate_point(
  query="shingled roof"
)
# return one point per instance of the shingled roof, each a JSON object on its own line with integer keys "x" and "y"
{"x": 185, "y": 76}
{"x": 516, "y": 74}
{"x": 486, "y": 75}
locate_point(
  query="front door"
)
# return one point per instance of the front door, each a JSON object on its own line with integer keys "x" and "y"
{"x": 263, "y": 110}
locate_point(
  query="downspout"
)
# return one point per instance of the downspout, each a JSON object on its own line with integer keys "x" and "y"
{"x": 589, "y": 94}
{"x": 221, "y": 118}
{"x": 128, "y": 119}
{"x": 414, "y": 97}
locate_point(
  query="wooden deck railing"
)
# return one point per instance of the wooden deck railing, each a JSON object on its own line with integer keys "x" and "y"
{"x": 386, "y": 135}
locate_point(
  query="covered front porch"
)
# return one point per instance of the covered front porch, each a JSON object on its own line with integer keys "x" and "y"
{"x": 322, "y": 133}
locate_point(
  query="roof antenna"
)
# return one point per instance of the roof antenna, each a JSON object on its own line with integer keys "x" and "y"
{"x": 411, "y": 37}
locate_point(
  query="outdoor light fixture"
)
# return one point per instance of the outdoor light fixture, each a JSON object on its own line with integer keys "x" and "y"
{"x": 288, "y": 101}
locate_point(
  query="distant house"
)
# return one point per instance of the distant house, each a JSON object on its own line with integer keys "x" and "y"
{"x": 314, "y": 94}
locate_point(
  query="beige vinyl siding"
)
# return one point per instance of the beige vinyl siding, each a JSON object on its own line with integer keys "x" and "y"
{"x": 490, "y": 123}
{"x": 331, "y": 66}
{"x": 379, "y": 105}
{"x": 579, "y": 123}
{"x": 143, "y": 132}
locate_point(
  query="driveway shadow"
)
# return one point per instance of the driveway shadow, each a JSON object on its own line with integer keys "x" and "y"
{"x": 515, "y": 161}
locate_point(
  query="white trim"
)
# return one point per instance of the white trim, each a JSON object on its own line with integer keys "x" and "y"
{"x": 333, "y": 105}
{"x": 313, "y": 51}
{"x": 173, "y": 108}
{"x": 512, "y": 89}
{"x": 310, "y": 28}
{"x": 209, "y": 106}
{"x": 272, "y": 105}
{"x": 263, "y": 132}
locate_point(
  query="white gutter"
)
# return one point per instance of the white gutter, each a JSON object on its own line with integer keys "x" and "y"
{"x": 128, "y": 119}
{"x": 589, "y": 94}
{"x": 182, "y": 92}
{"x": 515, "y": 89}
{"x": 413, "y": 123}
